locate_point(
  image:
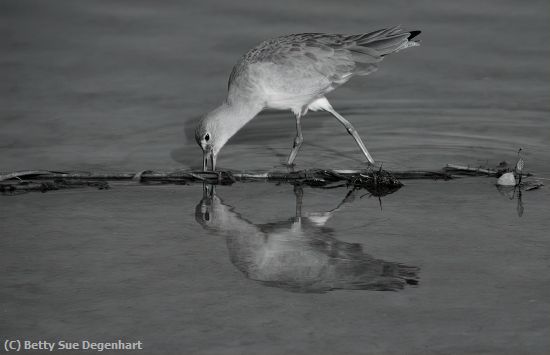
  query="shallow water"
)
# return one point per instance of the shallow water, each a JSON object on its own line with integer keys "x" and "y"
{"x": 120, "y": 85}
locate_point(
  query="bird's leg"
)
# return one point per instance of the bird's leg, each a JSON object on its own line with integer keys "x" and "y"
{"x": 299, "y": 194}
{"x": 350, "y": 196}
{"x": 297, "y": 141}
{"x": 353, "y": 132}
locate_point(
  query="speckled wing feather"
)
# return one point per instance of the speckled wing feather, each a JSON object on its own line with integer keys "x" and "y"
{"x": 335, "y": 57}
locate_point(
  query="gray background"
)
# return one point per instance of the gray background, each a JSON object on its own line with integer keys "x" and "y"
{"x": 119, "y": 85}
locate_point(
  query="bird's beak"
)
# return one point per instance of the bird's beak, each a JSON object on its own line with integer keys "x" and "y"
{"x": 207, "y": 191}
{"x": 208, "y": 155}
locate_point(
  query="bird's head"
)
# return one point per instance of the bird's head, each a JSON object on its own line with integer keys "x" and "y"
{"x": 205, "y": 211}
{"x": 217, "y": 126}
{"x": 205, "y": 140}
{"x": 211, "y": 136}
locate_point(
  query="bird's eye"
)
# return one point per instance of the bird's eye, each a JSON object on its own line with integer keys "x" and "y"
{"x": 207, "y": 137}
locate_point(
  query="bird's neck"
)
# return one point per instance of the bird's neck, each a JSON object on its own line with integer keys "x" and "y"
{"x": 237, "y": 114}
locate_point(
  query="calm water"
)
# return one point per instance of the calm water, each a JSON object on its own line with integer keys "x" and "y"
{"x": 260, "y": 267}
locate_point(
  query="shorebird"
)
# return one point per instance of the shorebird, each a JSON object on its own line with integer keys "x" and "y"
{"x": 295, "y": 72}
{"x": 301, "y": 253}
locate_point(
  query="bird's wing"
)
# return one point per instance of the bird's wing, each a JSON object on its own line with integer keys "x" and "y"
{"x": 336, "y": 57}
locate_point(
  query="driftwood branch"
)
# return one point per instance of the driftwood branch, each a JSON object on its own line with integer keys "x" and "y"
{"x": 41, "y": 180}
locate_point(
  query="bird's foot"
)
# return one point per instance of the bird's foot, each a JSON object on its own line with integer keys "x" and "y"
{"x": 290, "y": 167}
{"x": 374, "y": 165}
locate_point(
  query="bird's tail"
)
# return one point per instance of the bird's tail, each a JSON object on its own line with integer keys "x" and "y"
{"x": 385, "y": 41}
{"x": 368, "y": 49}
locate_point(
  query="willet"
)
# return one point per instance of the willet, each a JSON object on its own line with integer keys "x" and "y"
{"x": 300, "y": 253}
{"x": 295, "y": 72}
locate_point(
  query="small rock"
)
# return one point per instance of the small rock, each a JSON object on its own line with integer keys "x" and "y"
{"x": 507, "y": 179}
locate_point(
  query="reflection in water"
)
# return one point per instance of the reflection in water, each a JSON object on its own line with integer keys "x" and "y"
{"x": 516, "y": 192}
{"x": 513, "y": 192}
{"x": 299, "y": 254}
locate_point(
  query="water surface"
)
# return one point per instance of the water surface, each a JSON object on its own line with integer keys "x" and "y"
{"x": 436, "y": 267}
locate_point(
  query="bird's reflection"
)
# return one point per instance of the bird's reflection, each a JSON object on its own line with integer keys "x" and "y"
{"x": 516, "y": 192}
{"x": 513, "y": 192}
{"x": 299, "y": 254}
